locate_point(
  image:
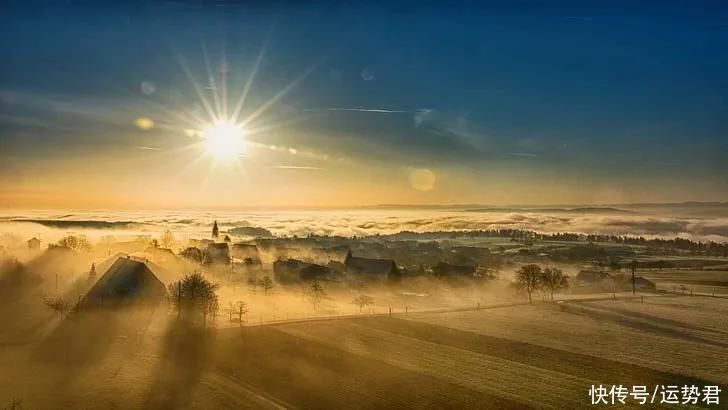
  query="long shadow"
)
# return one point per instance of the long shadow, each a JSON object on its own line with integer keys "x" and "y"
{"x": 652, "y": 318}
{"x": 621, "y": 320}
{"x": 577, "y": 364}
{"x": 309, "y": 374}
{"x": 84, "y": 339}
{"x": 185, "y": 349}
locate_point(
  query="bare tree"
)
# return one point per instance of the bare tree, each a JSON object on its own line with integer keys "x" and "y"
{"x": 57, "y": 304}
{"x": 266, "y": 283}
{"x": 76, "y": 243}
{"x": 238, "y": 309}
{"x": 196, "y": 255}
{"x": 15, "y": 404}
{"x": 362, "y": 300}
{"x": 528, "y": 277}
{"x": 554, "y": 279}
{"x": 167, "y": 239}
{"x": 316, "y": 294}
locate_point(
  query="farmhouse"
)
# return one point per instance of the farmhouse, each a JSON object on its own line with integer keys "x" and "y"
{"x": 218, "y": 252}
{"x": 33, "y": 243}
{"x": 443, "y": 269}
{"x": 371, "y": 268}
{"x": 293, "y": 270}
{"x": 245, "y": 253}
{"x": 127, "y": 281}
{"x": 593, "y": 278}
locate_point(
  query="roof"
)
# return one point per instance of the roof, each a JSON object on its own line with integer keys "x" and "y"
{"x": 443, "y": 268}
{"x": 592, "y": 276}
{"x": 218, "y": 245}
{"x": 292, "y": 269}
{"x": 126, "y": 279}
{"x": 369, "y": 266}
{"x": 33, "y": 239}
{"x": 244, "y": 250}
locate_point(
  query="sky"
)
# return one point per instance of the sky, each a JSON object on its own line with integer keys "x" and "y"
{"x": 112, "y": 106}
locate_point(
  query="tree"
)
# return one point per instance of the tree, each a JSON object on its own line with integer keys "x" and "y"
{"x": 238, "y": 309}
{"x": 167, "y": 239}
{"x": 196, "y": 255}
{"x": 57, "y": 304}
{"x": 554, "y": 279}
{"x": 227, "y": 239}
{"x": 76, "y": 243}
{"x": 528, "y": 277}
{"x": 252, "y": 284}
{"x": 92, "y": 273}
{"x": 266, "y": 283}
{"x": 362, "y": 300}
{"x": 195, "y": 295}
{"x": 215, "y": 231}
{"x": 316, "y": 294}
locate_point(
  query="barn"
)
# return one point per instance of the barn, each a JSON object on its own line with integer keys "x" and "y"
{"x": 371, "y": 268}
{"x": 127, "y": 281}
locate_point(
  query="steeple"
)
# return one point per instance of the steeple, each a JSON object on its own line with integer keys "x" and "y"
{"x": 215, "y": 231}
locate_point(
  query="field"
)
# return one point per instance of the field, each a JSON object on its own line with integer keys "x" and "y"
{"x": 706, "y": 281}
{"x": 545, "y": 355}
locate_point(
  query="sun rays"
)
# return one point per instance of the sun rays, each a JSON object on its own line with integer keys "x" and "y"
{"x": 219, "y": 122}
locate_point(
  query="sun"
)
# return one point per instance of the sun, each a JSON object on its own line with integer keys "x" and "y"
{"x": 224, "y": 140}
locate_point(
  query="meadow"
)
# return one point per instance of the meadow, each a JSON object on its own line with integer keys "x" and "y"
{"x": 545, "y": 355}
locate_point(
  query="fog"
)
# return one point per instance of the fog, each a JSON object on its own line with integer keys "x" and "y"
{"x": 62, "y": 353}
{"x": 696, "y": 221}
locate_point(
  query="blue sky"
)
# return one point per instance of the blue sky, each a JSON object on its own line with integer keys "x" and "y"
{"x": 630, "y": 97}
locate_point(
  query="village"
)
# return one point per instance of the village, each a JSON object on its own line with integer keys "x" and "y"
{"x": 79, "y": 275}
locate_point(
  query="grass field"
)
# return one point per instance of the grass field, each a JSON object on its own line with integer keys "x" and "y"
{"x": 701, "y": 281}
{"x": 543, "y": 356}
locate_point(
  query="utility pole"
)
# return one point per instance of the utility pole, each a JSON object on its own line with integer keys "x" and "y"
{"x": 179, "y": 298}
{"x": 634, "y": 267}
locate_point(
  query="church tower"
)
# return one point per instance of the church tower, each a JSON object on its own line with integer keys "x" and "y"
{"x": 215, "y": 231}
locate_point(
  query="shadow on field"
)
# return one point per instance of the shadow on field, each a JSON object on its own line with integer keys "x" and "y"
{"x": 588, "y": 367}
{"x": 636, "y": 322}
{"x": 653, "y": 318}
{"x": 308, "y": 374}
{"x": 84, "y": 339}
{"x": 184, "y": 355}
{"x": 79, "y": 340}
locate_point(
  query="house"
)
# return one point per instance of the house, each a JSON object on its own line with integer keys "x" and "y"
{"x": 218, "y": 252}
{"x": 643, "y": 284}
{"x": 33, "y": 243}
{"x": 127, "y": 281}
{"x": 443, "y": 269}
{"x": 245, "y": 253}
{"x": 371, "y": 268}
{"x": 599, "y": 280}
{"x": 293, "y": 270}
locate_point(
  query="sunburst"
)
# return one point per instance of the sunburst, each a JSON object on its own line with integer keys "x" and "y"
{"x": 220, "y": 133}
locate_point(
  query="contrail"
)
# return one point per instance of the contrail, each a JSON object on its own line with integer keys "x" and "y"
{"x": 380, "y": 110}
{"x": 297, "y": 167}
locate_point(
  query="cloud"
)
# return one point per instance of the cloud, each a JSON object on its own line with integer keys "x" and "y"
{"x": 147, "y": 148}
